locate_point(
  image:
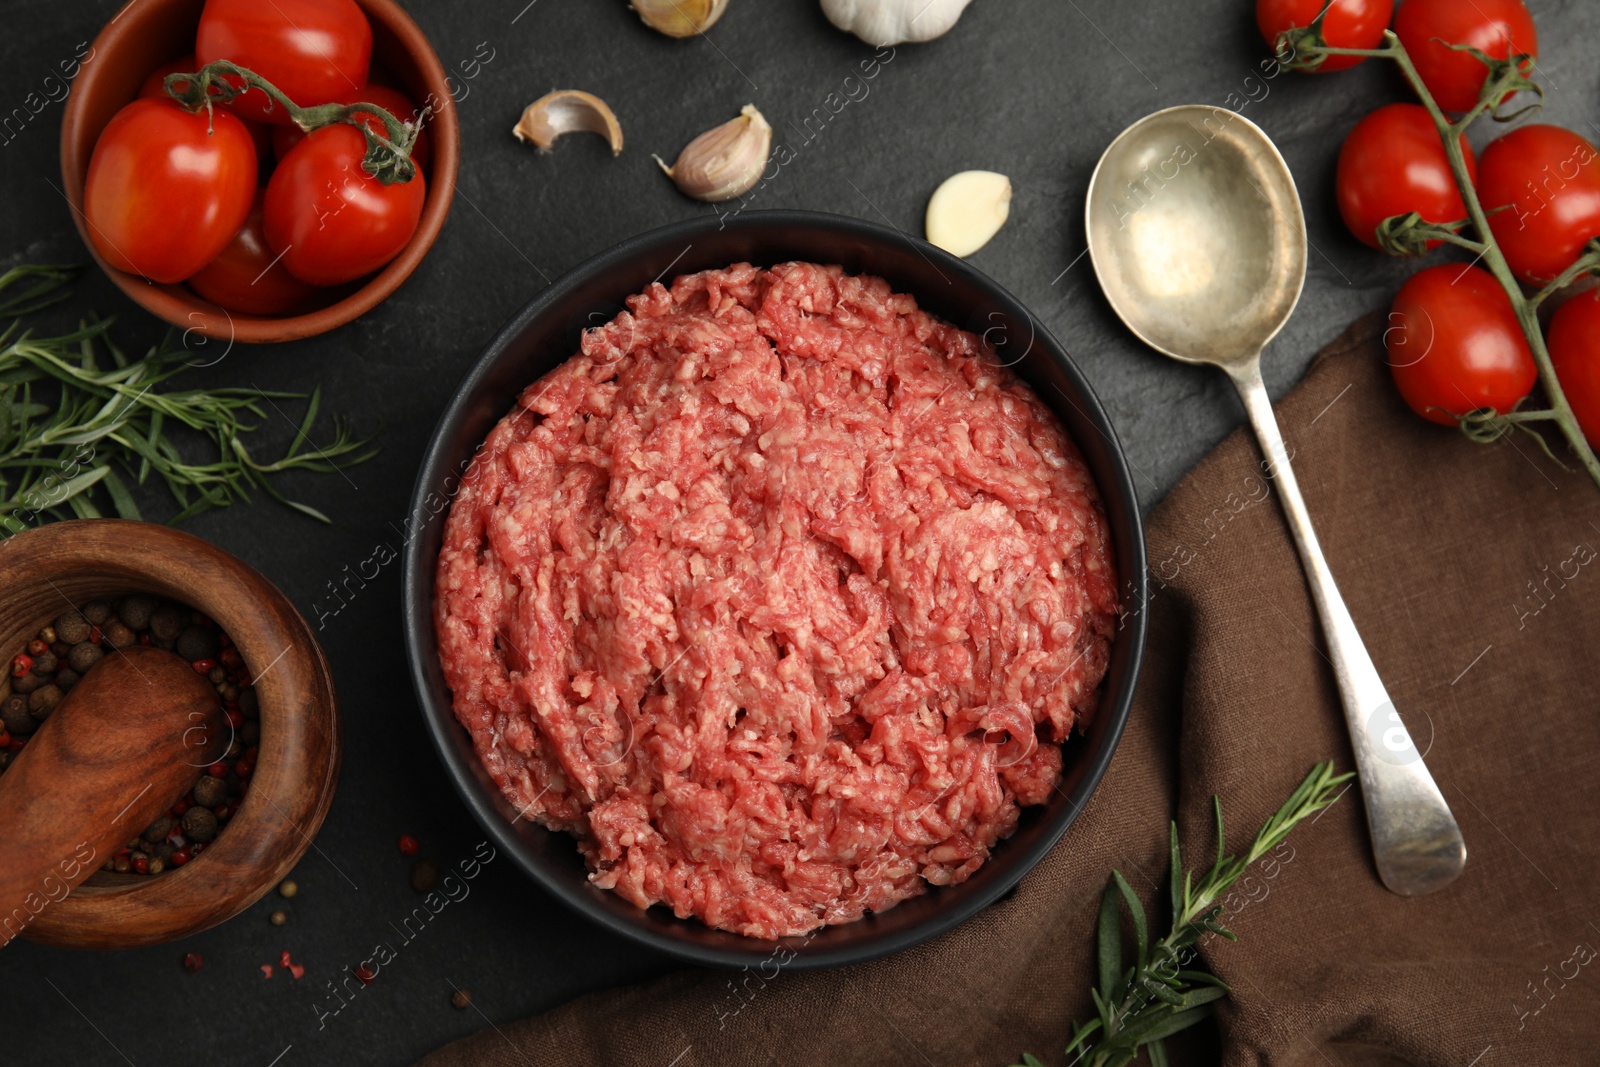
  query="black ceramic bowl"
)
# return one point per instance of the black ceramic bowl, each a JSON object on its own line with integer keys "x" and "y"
{"x": 545, "y": 333}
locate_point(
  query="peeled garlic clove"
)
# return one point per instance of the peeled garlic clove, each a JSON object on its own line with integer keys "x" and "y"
{"x": 680, "y": 18}
{"x": 890, "y": 22}
{"x": 568, "y": 111}
{"x": 724, "y": 162}
{"x": 967, "y": 210}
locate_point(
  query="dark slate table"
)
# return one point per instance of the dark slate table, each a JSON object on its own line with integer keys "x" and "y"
{"x": 1032, "y": 88}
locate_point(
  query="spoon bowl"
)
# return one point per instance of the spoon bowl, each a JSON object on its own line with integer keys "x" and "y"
{"x": 1196, "y": 232}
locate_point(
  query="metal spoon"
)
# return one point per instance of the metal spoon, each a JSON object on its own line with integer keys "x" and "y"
{"x": 1196, "y": 234}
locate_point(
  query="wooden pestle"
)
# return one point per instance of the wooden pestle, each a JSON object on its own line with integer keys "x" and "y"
{"x": 124, "y": 745}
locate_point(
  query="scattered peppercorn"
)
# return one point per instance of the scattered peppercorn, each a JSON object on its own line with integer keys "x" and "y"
{"x": 278, "y": 918}
{"x": 287, "y": 890}
{"x": 461, "y": 998}
{"x": 408, "y": 845}
{"x": 193, "y": 961}
{"x": 424, "y": 875}
{"x": 364, "y": 973}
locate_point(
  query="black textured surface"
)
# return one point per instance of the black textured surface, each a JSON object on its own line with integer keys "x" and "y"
{"x": 1033, "y": 88}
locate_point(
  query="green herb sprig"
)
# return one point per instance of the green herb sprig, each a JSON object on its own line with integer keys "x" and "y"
{"x": 1141, "y": 1005}
{"x": 75, "y": 432}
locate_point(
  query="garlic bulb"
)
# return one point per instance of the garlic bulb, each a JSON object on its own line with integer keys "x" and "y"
{"x": 891, "y": 22}
{"x": 680, "y": 18}
{"x": 568, "y": 111}
{"x": 967, "y": 210}
{"x": 723, "y": 162}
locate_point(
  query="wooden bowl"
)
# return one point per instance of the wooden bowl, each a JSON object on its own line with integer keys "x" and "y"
{"x": 48, "y": 570}
{"x": 147, "y": 33}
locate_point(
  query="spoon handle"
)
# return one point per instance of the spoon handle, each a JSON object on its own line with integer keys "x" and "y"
{"x": 1415, "y": 840}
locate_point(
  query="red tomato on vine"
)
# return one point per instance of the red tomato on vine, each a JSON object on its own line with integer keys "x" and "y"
{"x": 1455, "y": 346}
{"x": 315, "y": 51}
{"x": 1497, "y": 28}
{"x": 1350, "y": 24}
{"x": 1547, "y": 181}
{"x": 1575, "y": 351}
{"x": 168, "y": 189}
{"x": 1393, "y": 163}
{"x": 331, "y": 220}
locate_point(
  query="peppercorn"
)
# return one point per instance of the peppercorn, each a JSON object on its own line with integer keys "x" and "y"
{"x": 48, "y": 635}
{"x": 135, "y": 611}
{"x": 461, "y": 998}
{"x": 249, "y": 702}
{"x": 217, "y": 769}
{"x": 61, "y": 648}
{"x": 5, "y": 761}
{"x": 217, "y": 676}
{"x": 123, "y": 864}
{"x": 155, "y": 866}
{"x": 72, "y": 628}
{"x": 235, "y": 749}
{"x": 250, "y": 732}
{"x": 200, "y": 824}
{"x": 287, "y": 890}
{"x": 209, "y": 792}
{"x": 14, "y": 713}
{"x": 21, "y": 664}
{"x": 278, "y": 918}
{"x": 42, "y": 701}
{"x": 37, "y": 648}
{"x": 66, "y": 678}
{"x": 229, "y": 657}
{"x": 166, "y": 623}
{"x": 364, "y": 973}
{"x": 27, "y": 683}
{"x": 179, "y": 857}
{"x": 84, "y": 654}
{"x": 198, "y": 643}
{"x": 45, "y": 662}
{"x": 141, "y": 863}
{"x": 193, "y": 961}
{"x": 235, "y": 720}
{"x": 229, "y": 692}
{"x": 119, "y": 636}
{"x": 408, "y": 845}
{"x": 424, "y": 875}
{"x": 96, "y": 611}
{"x": 159, "y": 829}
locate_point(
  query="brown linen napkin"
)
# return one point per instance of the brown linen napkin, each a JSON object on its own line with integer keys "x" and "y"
{"x": 1473, "y": 574}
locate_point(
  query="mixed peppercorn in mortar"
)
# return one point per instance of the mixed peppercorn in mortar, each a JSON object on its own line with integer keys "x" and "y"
{"x": 69, "y": 647}
{"x": 780, "y": 596}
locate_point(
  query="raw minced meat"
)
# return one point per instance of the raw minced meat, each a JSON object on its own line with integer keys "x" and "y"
{"x": 780, "y": 596}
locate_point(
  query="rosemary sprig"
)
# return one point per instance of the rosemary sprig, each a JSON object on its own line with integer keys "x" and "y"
{"x": 76, "y": 434}
{"x": 1141, "y": 1005}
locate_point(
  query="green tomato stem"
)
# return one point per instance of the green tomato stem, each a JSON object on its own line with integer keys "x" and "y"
{"x": 388, "y": 156}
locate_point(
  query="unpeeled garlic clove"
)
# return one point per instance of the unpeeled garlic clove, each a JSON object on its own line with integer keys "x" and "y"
{"x": 680, "y": 18}
{"x": 967, "y": 210}
{"x": 723, "y": 162}
{"x": 883, "y": 23}
{"x": 568, "y": 111}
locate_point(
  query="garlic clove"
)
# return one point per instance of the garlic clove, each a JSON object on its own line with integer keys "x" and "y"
{"x": 568, "y": 111}
{"x": 680, "y": 18}
{"x": 967, "y": 210}
{"x": 724, "y": 162}
{"x": 882, "y": 23}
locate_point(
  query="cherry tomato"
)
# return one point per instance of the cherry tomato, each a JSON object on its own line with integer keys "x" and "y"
{"x": 247, "y": 276}
{"x": 391, "y": 100}
{"x": 1574, "y": 341}
{"x": 164, "y": 194}
{"x": 1548, "y": 181}
{"x": 315, "y": 51}
{"x": 332, "y": 221}
{"x": 1393, "y": 164}
{"x": 156, "y": 84}
{"x": 1455, "y": 346}
{"x": 1350, "y": 24}
{"x": 1497, "y": 28}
